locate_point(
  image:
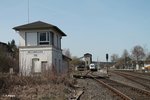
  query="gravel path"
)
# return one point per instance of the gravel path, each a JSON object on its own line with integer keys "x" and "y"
{"x": 123, "y": 80}
{"x": 94, "y": 91}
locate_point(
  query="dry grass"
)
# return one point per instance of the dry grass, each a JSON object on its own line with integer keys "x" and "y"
{"x": 48, "y": 86}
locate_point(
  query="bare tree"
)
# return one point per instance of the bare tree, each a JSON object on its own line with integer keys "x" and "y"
{"x": 119, "y": 63}
{"x": 138, "y": 53}
{"x": 148, "y": 57}
{"x": 126, "y": 58}
{"x": 114, "y": 57}
{"x": 75, "y": 60}
{"x": 125, "y": 54}
{"x": 67, "y": 53}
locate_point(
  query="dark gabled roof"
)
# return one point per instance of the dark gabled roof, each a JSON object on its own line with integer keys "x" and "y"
{"x": 38, "y": 25}
{"x": 87, "y": 54}
{"x": 65, "y": 57}
{"x": 3, "y": 44}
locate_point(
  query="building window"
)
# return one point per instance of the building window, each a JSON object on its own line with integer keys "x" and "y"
{"x": 60, "y": 42}
{"x": 57, "y": 42}
{"x": 44, "y": 38}
{"x": 52, "y": 38}
{"x": 87, "y": 62}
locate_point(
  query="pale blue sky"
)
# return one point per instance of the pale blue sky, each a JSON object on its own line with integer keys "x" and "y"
{"x": 94, "y": 26}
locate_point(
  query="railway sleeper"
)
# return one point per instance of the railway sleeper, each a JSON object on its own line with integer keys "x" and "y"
{"x": 123, "y": 96}
{"x": 141, "y": 91}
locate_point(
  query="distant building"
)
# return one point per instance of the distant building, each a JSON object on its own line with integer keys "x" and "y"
{"x": 87, "y": 59}
{"x": 66, "y": 64}
{"x": 40, "y": 48}
{"x": 104, "y": 64}
{"x": 3, "y": 46}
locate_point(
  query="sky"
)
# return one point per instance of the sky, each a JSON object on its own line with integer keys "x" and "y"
{"x": 92, "y": 26}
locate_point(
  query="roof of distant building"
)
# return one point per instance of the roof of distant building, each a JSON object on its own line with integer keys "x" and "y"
{"x": 3, "y": 44}
{"x": 65, "y": 57}
{"x": 87, "y": 54}
{"x": 38, "y": 25}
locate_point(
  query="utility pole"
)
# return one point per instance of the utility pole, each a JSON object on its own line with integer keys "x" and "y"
{"x": 28, "y": 11}
{"x": 107, "y": 56}
{"x": 97, "y": 64}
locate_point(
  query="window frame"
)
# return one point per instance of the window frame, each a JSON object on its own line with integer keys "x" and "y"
{"x": 47, "y": 41}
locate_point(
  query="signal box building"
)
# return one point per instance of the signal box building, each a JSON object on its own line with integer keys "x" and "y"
{"x": 88, "y": 59}
{"x": 40, "y": 48}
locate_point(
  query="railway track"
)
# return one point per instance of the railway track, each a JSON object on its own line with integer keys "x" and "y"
{"x": 124, "y": 91}
{"x": 82, "y": 74}
{"x": 140, "y": 80}
{"x": 142, "y": 75}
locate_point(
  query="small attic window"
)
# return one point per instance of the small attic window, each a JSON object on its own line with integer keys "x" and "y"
{"x": 44, "y": 38}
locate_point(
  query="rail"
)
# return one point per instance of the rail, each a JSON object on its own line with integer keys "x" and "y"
{"x": 125, "y": 94}
{"x": 135, "y": 79}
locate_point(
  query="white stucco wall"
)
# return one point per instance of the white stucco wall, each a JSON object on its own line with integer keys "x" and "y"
{"x": 43, "y": 54}
{"x": 27, "y": 54}
{"x": 32, "y": 38}
{"x": 47, "y": 53}
{"x": 21, "y": 38}
{"x": 57, "y": 58}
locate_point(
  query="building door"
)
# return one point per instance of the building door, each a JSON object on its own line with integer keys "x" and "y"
{"x": 44, "y": 66}
{"x": 36, "y": 68}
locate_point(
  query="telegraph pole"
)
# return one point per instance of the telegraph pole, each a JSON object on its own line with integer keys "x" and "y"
{"x": 28, "y": 11}
{"x": 107, "y": 56}
{"x": 97, "y": 64}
